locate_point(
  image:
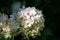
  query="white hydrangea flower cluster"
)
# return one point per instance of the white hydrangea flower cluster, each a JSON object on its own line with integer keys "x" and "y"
{"x": 31, "y": 20}
{"x": 7, "y": 26}
{"x": 4, "y": 29}
{"x": 28, "y": 21}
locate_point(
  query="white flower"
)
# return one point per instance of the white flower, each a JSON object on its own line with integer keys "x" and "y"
{"x": 28, "y": 23}
{"x": 6, "y": 29}
{"x": 30, "y": 11}
{"x": 7, "y": 35}
{"x": 29, "y": 16}
{"x": 37, "y": 17}
{"x": 32, "y": 18}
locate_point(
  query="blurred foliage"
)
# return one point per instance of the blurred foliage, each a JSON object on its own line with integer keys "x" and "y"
{"x": 51, "y": 11}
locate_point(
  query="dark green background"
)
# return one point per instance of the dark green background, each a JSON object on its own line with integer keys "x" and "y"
{"x": 51, "y": 11}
